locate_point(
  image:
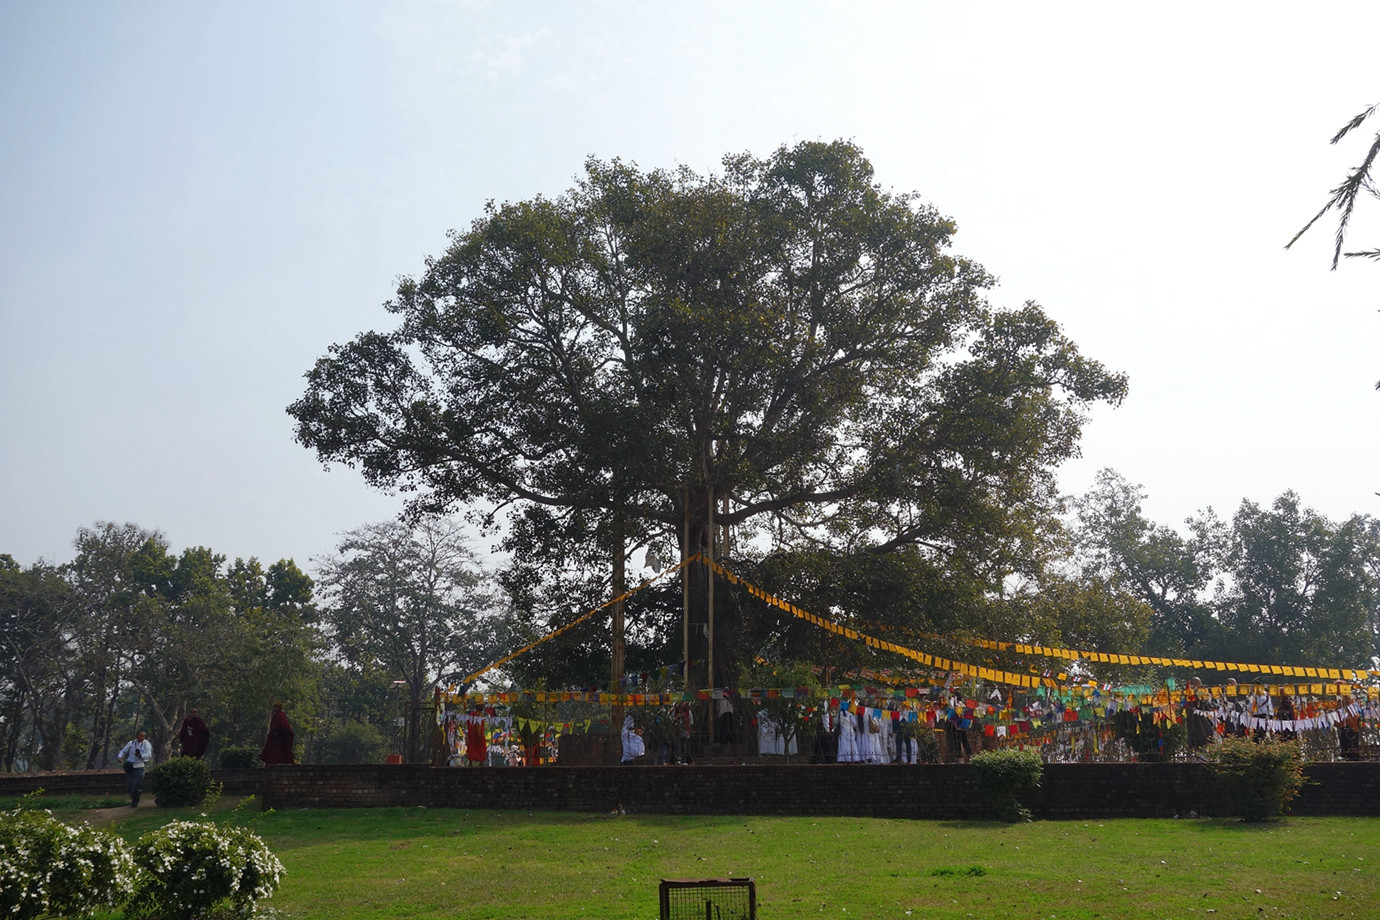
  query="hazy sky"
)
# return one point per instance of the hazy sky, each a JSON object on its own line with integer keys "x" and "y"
{"x": 197, "y": 199}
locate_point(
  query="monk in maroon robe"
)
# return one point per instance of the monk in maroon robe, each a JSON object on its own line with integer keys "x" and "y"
{"x": 194, "y": 736}
{"x": 278, "y": 746}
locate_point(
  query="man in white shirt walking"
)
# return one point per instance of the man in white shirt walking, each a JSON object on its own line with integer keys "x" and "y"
{"x": 135, "y": 756}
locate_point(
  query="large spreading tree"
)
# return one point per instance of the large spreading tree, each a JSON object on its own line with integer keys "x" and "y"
{"x": 785, "y": 346}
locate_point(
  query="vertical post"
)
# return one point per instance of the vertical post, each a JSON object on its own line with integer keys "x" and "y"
{"x": 434, "y": 756}
{"x": 725, "y": 549}
{"x": 685, "y": 590}
{"x": 619, "y": 580}
{"x": 709, "y": 550}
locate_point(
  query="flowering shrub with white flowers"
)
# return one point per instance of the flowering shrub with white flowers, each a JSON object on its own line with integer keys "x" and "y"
{"x": 48, "y": 868}
{"x": 191, "y": 869}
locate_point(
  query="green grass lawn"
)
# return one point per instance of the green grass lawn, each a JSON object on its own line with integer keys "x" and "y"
{"x": 393, "y": 862}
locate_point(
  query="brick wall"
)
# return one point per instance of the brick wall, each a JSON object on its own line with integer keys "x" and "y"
{"x": 925, "y": 792}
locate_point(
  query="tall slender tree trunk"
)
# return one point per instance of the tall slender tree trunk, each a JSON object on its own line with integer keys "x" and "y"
{"x": 109, "y": 723}
{"x": 104, "y": 722}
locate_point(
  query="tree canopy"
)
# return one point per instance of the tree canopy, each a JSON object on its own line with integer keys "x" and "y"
{"x": 785, "y": 342}
{"x": 129, "y": 634}
{"x": 1276, "y": 585}
{"x": 411, "y": 603}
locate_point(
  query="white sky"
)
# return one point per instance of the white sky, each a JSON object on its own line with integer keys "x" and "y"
{"x": 197, "y": 199}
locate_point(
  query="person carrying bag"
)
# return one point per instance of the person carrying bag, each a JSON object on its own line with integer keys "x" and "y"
{"x": 135, "y": 756}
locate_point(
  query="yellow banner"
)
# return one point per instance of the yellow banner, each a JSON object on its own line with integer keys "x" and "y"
{"x": 576, "y": 622}
{"x": 1334, "y": 674}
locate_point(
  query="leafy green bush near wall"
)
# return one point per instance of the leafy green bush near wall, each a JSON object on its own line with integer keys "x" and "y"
{"x": 1003, "y": 777}
{"x": 181, "y": 781}
{"x": 1259, "y": 779}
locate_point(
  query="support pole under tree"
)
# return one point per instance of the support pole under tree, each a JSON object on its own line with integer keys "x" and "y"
{"x": 433, "y": 753}
{"x": 709, "y": 567}
{"x": 619, "y": 582}
{"x": 685, "y": 592}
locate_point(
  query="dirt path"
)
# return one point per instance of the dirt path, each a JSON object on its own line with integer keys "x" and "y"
{"x": 99, "y": 817}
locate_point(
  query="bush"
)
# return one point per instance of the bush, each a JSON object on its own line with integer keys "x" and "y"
{"x": 929, "y": 745}
{"x": 1150, "y": 740}
{"x": 181, "y": 781}
{"x": 1003, "y": 776}
{"x": 353, "y": 742}
{"x": 1259, "y": 779}
{"x": 237, "y": 758}
{"x": 50, "y": 869}
{"x": 192, "y": 869}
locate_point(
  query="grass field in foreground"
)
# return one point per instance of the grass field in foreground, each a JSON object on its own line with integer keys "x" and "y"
{"x": 393, "y": 862}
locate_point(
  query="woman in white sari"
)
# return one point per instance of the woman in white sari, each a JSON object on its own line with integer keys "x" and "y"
{"x": 872, "y": 751}
{"x": 848, "y": 737}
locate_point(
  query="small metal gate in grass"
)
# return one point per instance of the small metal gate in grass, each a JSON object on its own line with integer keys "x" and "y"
{"x": 709, "y": 899}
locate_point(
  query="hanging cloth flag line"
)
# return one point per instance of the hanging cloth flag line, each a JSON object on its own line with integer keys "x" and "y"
{"x": 994, "y": 675}
{"x": 1160, "y": 699}
{"x": 1282, "y": 670}
{"x": 991, "y": 675}
{"x": 573, "y": 623}
{"x": 1333, "y": 674}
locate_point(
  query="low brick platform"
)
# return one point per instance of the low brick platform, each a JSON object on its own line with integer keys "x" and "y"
{"x": 935, "y": 792}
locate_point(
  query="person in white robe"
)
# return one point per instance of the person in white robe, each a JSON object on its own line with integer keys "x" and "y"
{"x": 770, "y": 738}
{"x": 872, "y": 751}
{"x": 633, "y": 745}
{"x": 848, "y": 737}
{"x": 767, "y": 740}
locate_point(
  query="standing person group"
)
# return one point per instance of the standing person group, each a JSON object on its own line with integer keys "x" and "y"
{"x": 135, "y": 756}
{"x": 278, "y": 745}
{"x": 194, "y": 736}
{"x": 862, "y": 736}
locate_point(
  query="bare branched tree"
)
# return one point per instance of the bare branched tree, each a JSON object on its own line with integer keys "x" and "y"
{"x": 1344, "y": 196}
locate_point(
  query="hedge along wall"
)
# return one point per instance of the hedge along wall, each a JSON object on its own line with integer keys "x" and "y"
{"x": 112, "y": 782}
{"x": 943, "y": 792}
